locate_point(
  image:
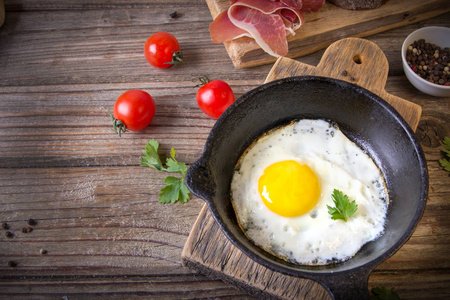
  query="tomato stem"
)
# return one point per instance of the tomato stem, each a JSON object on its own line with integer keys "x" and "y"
{"x": 177, "y": 58}
{"x": 118, "y": 126}
{"x": 203, "y": 81}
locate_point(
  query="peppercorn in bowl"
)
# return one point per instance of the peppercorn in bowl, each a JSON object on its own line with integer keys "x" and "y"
{"x": 426, "y": 60}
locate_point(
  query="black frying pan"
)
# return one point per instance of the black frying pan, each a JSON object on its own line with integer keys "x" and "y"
{"x": 366, "y": 119}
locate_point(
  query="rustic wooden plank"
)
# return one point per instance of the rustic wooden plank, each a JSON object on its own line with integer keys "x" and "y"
{"x": 2, "y": 12}
{"x": 90, "y": 224}
{"x": 62, "y": 64}
{"x": 48, "y": 5}
{"x": 330, "y": 24}
{"x": 63, "y": 124}
{"x": 107, "y": 46}
{"x": 131, "y": 287}
{"x": 89, "y": 221}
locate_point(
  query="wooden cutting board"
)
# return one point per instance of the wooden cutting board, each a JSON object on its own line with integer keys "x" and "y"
{"x": 210, "y": 252}
{"x": 330, "y": 24}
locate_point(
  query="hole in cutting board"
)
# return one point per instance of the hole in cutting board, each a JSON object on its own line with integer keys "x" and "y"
{"x": 357, "y": 59}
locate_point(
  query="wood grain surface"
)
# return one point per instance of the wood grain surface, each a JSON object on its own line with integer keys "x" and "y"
{"x": 62, "y": 65}
{"x": 364, "y": 64}
{"x": 2, "y": 12}
{"x": 330, "y": 24}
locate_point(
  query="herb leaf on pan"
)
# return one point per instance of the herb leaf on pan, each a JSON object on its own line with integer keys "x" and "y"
{"x": 343, "y": 207}
{"x": 175, "y": 189}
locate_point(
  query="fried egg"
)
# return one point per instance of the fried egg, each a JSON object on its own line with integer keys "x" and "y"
{"x": 284, "y": 181}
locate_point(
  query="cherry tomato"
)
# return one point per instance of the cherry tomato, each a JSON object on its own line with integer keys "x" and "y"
{"x": 162, "y": 50}
{"x": 133, "y": 110}
{"x": 214, "y": 97}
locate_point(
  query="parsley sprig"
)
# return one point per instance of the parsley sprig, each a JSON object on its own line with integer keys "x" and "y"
{"x": 343, "y": 207}
{"x": 445, "y": 163}
{"x": 175, "y": 189}
{"x": 382, "y": 293}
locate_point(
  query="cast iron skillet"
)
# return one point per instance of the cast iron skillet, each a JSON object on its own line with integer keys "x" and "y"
{"x": 366, "y": 119}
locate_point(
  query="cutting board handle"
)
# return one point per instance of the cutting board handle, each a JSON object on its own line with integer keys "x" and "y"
{"x": 358, "y": 61}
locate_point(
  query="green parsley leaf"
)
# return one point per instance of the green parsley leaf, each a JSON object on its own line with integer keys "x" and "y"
{"x": 343, "y": 207}
{"x": 445, "y": 163}
{"x": 174, "y": 166}
{"x": 381, "y": 293}
{"x": 151, "y": 157}
{"x": 175, "y": 189}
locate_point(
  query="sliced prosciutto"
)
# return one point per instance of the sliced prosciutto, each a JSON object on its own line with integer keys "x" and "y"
{"x": 312, "y": 5}
{"x": 267, "y": 21}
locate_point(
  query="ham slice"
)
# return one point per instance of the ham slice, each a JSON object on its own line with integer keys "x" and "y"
{"x": 269, "y": 22}
{"x": 312, "y": 5}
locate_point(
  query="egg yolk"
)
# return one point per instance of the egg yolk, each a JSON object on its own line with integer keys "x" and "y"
{"x": 289, "y": 188}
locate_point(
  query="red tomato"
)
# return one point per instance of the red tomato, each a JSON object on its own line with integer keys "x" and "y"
{"x": 133, "y": 110}
{"x": 214, "y": 97}
{"x": 162, "y": 50}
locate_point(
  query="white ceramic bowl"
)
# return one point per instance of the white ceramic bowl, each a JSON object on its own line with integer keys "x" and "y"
{"x": 439, "y": 36}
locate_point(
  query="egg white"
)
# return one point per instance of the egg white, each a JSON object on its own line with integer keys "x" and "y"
{"x": 312, "y": 238}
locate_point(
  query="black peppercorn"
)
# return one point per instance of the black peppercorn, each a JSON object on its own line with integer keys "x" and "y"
{"x": 5, "y": 225}
{"x": 9, "y": 234}
{"x": 31, "y": 222}
{"x": 27, "y": 229}
{"x": 12, "y": 263}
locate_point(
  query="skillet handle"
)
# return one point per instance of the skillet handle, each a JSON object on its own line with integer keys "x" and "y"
{"x": 347, "y": 286}
{"x": 200, "y": 181}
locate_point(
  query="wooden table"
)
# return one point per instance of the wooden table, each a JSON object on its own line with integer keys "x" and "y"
{"x": 100, "y": 231}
